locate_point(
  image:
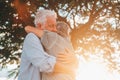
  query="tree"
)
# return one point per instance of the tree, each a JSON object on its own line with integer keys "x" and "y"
{"x": 95, "y": 26}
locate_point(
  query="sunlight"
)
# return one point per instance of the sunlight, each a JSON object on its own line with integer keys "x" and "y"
{"x": 93, "y": 70}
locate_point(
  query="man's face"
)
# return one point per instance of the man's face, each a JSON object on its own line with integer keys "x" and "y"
{"x": 50, "y": 24}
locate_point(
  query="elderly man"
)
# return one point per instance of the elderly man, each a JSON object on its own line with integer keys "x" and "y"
{"x": 34, "y": 59}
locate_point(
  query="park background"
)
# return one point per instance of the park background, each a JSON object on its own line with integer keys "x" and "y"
{"x": 95, "y": 34}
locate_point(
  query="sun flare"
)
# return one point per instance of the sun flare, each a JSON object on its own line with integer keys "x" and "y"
{"x": 93, "y": 70}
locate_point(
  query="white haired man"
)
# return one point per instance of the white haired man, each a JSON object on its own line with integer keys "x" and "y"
{"x": 34, "y": 59}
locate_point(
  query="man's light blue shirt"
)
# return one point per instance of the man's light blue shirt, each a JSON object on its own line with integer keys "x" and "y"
{"x": 34, "y": 59}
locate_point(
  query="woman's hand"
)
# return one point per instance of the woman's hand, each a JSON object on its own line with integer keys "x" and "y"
{"x": 68, "y": 58}
{"x": 61, "y": 68}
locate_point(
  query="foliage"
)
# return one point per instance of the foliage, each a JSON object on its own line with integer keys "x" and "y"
{"x": 95, "y": 26}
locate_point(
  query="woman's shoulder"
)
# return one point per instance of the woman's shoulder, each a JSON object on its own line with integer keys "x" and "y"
{"x": 50, "y": 34}
{"x": 46, "y": 32}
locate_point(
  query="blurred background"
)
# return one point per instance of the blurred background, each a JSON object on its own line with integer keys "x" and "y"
{"x": 95, "y": 34}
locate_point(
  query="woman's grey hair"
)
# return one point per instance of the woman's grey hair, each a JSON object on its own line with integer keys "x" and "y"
{"x": 41, "y": 16}
{"x": 63, "y": 28}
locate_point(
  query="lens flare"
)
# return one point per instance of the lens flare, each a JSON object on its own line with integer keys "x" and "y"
{"x": 94, "y": 70}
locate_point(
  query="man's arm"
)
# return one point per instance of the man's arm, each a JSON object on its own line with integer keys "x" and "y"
{"x": 36, "y": 55}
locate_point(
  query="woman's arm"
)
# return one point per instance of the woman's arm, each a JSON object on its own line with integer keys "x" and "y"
{"x": 36, "y": 31}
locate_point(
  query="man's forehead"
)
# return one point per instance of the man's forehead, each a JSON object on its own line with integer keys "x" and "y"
{"x": 51, "y": 20}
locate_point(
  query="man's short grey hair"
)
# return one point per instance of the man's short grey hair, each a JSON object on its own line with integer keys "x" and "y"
{"x": 41, "y": 16}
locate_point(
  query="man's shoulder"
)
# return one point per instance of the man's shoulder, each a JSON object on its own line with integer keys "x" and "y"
{"x": 31, "y": 36}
